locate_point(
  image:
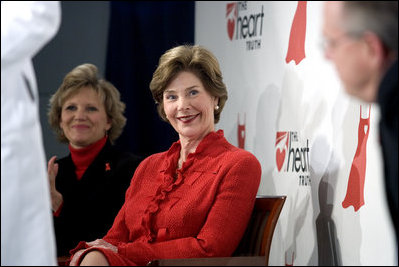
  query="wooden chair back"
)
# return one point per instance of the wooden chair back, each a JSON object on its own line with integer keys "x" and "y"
{"x": 258, "y": 236}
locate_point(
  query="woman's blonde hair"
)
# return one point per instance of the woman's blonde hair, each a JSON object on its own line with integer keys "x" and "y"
{"x": 86, "y": 75}
{"x": 195, "y": 59}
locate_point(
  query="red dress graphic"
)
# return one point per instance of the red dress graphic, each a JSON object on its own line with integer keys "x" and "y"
{"x": 355, "y": 190}
{"x": 296, "y": 46}
{"x": 240, "y": 132}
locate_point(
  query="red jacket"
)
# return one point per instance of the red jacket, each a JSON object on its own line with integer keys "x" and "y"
{"x": 200, "y": 210}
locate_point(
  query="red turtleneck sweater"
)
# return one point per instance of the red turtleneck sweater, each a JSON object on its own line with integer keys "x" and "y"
{"x": 83, "y": 157}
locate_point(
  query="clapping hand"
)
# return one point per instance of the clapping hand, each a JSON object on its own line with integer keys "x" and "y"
{"x": 52, "y": 171}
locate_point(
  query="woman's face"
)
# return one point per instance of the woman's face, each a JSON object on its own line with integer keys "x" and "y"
{"x": 189, "y": 107}
{"x": 83, "y": 118}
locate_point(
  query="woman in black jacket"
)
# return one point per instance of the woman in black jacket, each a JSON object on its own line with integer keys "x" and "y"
{"x": 88, "y": 186}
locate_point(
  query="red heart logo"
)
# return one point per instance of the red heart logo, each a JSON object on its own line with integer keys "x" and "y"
{"x": 280, "y": 156}
{"x": 230, "y": 28}
{"x": 231, "y": 14}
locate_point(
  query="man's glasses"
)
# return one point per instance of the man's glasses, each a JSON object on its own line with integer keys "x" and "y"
{"x": 330, "y": 44}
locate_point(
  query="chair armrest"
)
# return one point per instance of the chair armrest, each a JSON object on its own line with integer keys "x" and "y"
{"x": 214, "y": 261}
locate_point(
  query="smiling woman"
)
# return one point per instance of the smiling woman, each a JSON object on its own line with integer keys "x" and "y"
{"x": 195, "y": 199}
{"x": 83, "y": 118}
{"x": 189, "y": 109}
{"x": 88, "y": 186}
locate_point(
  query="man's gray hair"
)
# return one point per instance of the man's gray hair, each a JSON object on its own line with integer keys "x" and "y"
{"x": 379, "y": 17}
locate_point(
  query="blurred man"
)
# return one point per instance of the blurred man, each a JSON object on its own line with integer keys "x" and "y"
{"x": 361, "y": 39}
{"x": 27, "y": 234}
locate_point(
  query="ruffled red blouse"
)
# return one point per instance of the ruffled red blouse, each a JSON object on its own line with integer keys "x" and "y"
{"x": 200, "y": 210}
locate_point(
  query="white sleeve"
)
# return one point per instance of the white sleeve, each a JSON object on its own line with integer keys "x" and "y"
{"x": 26, "y": 27}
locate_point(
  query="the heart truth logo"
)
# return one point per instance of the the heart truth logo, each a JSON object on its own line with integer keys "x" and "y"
{"x": 291, "y": 156}
{"x": 245, "y": 23}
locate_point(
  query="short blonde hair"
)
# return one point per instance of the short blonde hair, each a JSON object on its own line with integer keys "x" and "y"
{"x": 86, "y": 75}
{"x": 195, "y": 59}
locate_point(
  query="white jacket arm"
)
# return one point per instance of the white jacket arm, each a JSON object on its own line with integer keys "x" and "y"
{"x": 26, "y": 27}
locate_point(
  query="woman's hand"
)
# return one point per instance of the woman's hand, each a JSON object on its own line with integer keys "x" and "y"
{"x": 52, "y": 171}
{"x": 100, "y": 243}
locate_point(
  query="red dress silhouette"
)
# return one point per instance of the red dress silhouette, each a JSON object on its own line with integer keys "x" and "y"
{"x": 296, "y": 46}
{"x": 355, "y": 190}
{"x": 240, "y": 132}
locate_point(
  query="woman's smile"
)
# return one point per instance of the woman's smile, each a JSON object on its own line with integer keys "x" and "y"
{"x": 80, "y": 126}
{"x": 187, "y": 118}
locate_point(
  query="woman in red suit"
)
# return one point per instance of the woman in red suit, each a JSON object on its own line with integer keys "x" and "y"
{"x": 195, "y": 199}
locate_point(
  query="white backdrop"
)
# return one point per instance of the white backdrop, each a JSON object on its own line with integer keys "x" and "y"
{"x": 286, "y": 105}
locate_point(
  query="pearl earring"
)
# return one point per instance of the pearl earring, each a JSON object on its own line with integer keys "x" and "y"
{"x": 217, "y": 107}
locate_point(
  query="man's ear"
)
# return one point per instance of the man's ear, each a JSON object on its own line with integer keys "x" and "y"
{"x": 376, "y": 49}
